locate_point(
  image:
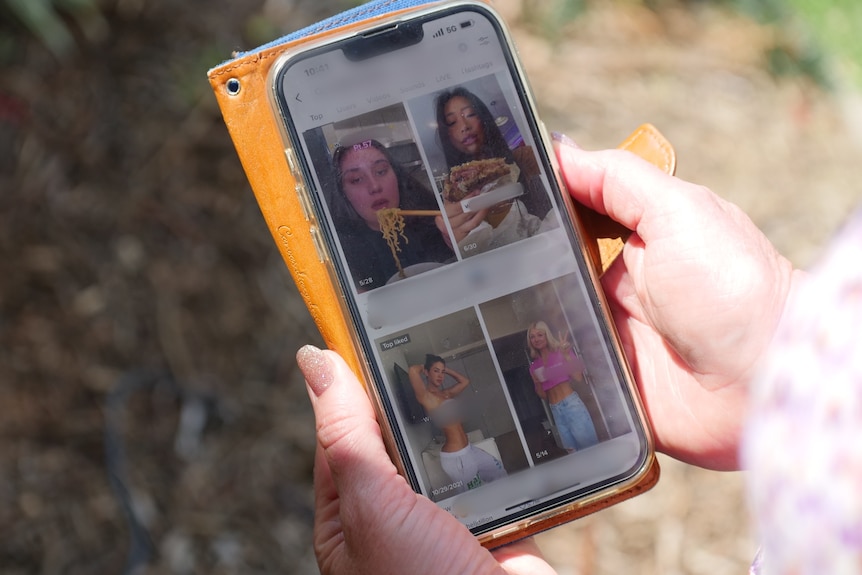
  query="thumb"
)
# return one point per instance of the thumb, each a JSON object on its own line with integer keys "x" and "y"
{"x": 346, "y": 426}
{"x": 617, "y": 183}
{"x": 523, "y": 558}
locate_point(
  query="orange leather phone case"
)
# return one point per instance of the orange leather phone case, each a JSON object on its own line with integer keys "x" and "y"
{"x": 240, "y": 87}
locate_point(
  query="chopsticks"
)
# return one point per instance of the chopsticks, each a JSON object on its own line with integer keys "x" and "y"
{"x": 419, "y": 212}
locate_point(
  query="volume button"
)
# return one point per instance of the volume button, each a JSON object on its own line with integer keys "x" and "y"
{"x": 298, "y": 186}
{"x": 291, "y": 161}
{"x": 315, "y": 237}
{"x": 303, "y": 200}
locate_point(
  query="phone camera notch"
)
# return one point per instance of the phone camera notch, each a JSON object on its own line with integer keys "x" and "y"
{"x": 381, "y": 41}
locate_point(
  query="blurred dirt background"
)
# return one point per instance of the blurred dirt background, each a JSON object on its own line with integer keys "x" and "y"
{"x": 153, "y": 420}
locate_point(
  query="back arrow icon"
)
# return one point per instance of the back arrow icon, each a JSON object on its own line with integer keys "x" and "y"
{"x": 297, "y": 98}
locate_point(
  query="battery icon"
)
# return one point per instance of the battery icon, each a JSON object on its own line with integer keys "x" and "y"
{"x": 466, "y": 24}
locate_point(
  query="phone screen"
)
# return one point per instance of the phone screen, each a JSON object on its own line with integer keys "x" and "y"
{"x": 460, "y": 267}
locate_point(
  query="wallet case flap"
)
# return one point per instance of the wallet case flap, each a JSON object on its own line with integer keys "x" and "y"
{"x": 605, "y": 238}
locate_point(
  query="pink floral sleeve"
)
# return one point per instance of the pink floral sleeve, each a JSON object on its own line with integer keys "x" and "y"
{"x": 803, "y": 441}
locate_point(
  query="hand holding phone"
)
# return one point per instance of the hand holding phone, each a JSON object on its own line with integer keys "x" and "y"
{"x": 367, "y": 519}
{"x": 670, "y": 392}
{"x": 697, "y": 302}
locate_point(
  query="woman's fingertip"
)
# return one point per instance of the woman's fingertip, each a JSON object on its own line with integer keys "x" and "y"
{"x": 565, "y": 140}
{"x": 317, "y": 368}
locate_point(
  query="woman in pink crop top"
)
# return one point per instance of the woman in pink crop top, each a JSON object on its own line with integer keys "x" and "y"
{"x": 555, "y": 367}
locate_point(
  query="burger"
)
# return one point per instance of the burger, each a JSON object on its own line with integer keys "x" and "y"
{"x": 477, "y": 177}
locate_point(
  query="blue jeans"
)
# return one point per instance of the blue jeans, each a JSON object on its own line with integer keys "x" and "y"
{"x": 574, "y": 423}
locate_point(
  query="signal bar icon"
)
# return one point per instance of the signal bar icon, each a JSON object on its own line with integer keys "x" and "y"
{"x": 439, "y": 33}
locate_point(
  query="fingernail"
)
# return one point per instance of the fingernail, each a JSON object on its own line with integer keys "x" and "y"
{"x": 565, "y": 140}
{"x": 316, "y": 367}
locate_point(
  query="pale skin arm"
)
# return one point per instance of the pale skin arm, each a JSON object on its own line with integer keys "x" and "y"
{"x": 414, "y": 373}
{"x": 577, "y": 374}
{"x": 537, "y": 385}
{"x": 461, "y": 383}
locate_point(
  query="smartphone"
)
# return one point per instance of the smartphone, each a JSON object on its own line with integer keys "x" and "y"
{"x": 487, "y": 347}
